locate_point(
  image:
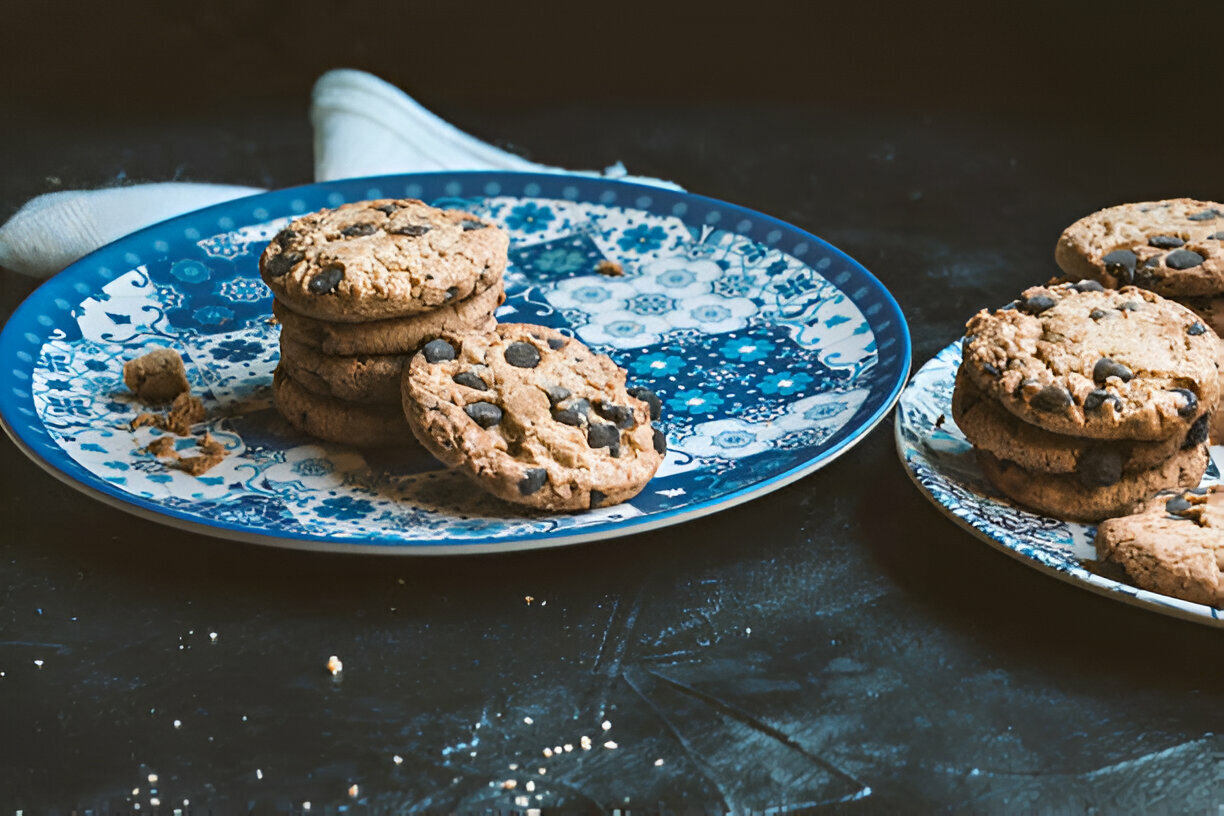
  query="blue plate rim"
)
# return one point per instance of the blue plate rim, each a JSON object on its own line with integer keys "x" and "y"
{"x": 84, "y": 481}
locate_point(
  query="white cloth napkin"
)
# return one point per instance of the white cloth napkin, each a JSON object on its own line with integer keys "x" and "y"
{"x": 363, "y": 126}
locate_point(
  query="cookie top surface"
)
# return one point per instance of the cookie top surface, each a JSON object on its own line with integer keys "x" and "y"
{"x": 379, "y": 259}
{"x": 1173, "y": 247}
{"x": 1095, "y": 462}
{"x": 1174, "y": 545}
{"x": 1107, "y": 364}
{"x": 534, "y": 417}
{"x": 395, "y": 335}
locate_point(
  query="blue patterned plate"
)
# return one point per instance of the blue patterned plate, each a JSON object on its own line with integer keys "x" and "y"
{"x": 772, "y": 351}
{"x": 938, "y": 459}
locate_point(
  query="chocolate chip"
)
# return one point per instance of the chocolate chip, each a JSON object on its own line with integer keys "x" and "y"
{"x": 1177, "y": 505}
{"x": 286, "y": 237}
{"x": 556, "y": 394}
{"x": 532, "y": 481}
{"x": 1219, "y": 236}
{"x": 1198, "y": 432}
{"x": 1099, "y": 467}
{"x": 1195, "y": 329}
{"x": 1052, "y": 398}
{"x": 569, "y": 416}
{"x": 1106, "y": 368}
{"x": 452, "y": 293}
{"x": 1183, "y": 259}
{"x": 620, "y": 415}
{"x": 556, "y": 343}
{"x": 1099, "y": 397}
{"x": 1146, "y": 275}
{"x": 656, "y": 405}
{"x": 485, "y": 414}
{"x": 1165, "y": 241}
{"x": 358, "y": 230}
{"x": 522, "y": 355}
{"x": 987, "y": 367}
{"x": 1198, "y": 491}
{"x": 1130, "y": 306}
{"x": 387, "y": 208}
{"x": 1036, "y": 304}
{"x": 411, "y": 230}
{"x": 467, "y": 378}
{"x": 1121, "y": 264}
{"x": 660, "y": 441}
{"x": 602, "y": 436}
{"x": 327, "y": 280}
{"x": 1097, "y": 314}
{"x": 473, "y": 225}
{"x": 1202, "y": 215}
{"x": 438, "y": 351}
{"x": 1191, "y": 405}
{"x": 1009, "y": 307}
{"x": 1088, "y": 286}
{"x": 598, "y": 497}
{"x": 280, "y": 265}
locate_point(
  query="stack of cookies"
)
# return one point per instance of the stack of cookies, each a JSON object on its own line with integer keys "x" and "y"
{"x": 358, "y": 290}
{"x": 1174, "y": 248}
{"x": 1083, "y": 402}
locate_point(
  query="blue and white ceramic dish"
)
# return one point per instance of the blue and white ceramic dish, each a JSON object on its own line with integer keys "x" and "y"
{"x": 939, "y": 460}
{"x": 772, "y": 351}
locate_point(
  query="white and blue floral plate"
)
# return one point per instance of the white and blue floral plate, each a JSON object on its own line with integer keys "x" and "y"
{"x": 939, "y": 460}
{"x": 772, "y": 351}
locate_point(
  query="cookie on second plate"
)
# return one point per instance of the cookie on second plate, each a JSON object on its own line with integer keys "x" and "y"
{"x": 1096, "y": 462}
{"x": 1080, "y": 360}
{"x": 1174, "y": 546}
{"x": 534, "y": 417}
{"x": 349, "y": 423}
{"x": 394, "y": 335}
{"x": 1067, "y": 496}
{"x": 1173, "y": 247}
{"x": 378, "y": 259}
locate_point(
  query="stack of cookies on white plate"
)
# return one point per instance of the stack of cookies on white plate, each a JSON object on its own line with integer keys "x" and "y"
{"x": 1083, "y": 402}
{"x": 361, "y": 288}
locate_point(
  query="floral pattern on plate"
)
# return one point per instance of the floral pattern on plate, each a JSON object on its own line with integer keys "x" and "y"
{"x": 768, "y": 362}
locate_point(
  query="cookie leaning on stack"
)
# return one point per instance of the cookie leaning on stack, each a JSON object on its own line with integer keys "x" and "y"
{"x": 361, "y": 288}
{"x": 1083, "y": 402}
{"x": 1174, "y": 248}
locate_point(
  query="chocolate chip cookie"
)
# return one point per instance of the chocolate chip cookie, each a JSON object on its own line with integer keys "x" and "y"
{"x": 1096, "y": 462}
{"x": 1080, "y": 360}
{"x": 1174, "y": 545}
{"x": 366, "y": 378}
{"x": 1068, "y": 496}
{"x": 381, "y": 259}
{"x": 534, "y": 417}
{"x": 1173, "y": 247}
{"x": 397, "y": 335}
{"x": 349, "y": 423}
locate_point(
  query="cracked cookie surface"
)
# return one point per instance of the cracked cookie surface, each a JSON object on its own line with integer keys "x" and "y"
{"x": 379, "y": 259}
{"x": 1174, "y": 545}
{"x": 1108, "y": 364}
{"x": 1173, "y": 247}
{"x": 534, "y": 417}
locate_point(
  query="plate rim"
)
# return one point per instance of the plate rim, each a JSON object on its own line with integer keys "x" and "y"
{"x": 152, "y": 511}
{"x": 1097, "y": 584}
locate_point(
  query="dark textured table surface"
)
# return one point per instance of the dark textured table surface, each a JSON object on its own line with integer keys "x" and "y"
{"x": 837, "y": 645}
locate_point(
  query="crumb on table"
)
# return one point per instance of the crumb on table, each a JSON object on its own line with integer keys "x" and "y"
{"x": 157, "y": 377}
{"x": 185, "y": 411}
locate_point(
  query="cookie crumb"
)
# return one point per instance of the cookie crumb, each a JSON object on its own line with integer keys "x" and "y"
{"x": 940, "y": 420}
{"x": 185, "y": 411}
{"x": 157, "y": 377}
{"x": 335, "y": 665}
{"x": 610, "y": 268}
{"x": 211, "y": 454}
